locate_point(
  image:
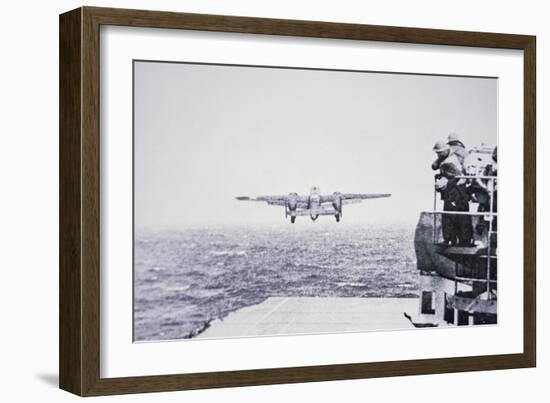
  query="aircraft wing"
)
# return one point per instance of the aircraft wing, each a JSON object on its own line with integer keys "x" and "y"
{"x": 348, "y": 198}
{"x": 275, "y": 200}
{"x": 363, "y": 196}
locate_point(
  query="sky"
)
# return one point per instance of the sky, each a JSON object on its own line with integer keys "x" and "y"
{"x": 204, "y": 134}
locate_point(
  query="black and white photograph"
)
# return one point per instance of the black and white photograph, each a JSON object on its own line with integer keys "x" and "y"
{"x": 276, "y": 201}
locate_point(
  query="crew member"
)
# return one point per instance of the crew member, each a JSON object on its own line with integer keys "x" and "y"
{"x": 492, "y": 170}
{"x": 457, "y": 228}
{"x": 456, "y": 146}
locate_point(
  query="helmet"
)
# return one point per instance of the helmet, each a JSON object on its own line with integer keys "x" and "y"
{"x": 440, "y": 146}
{"x": 452, "y": 137}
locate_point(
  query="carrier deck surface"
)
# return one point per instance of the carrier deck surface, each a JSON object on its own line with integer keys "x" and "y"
{"x": 292, "y": 316}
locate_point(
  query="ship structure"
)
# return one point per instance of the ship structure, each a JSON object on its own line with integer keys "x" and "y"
{"x": 458, "y": 283}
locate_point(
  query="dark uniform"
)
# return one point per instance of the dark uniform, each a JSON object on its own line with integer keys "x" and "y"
{"x": 479, "y": 189}
{"x": 492, "y": 170}
{"x": 457, "y": 148}
{"x": 457, "y": 228}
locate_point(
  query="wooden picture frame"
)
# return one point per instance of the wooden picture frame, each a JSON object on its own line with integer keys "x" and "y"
{"x": 79, "y": 348}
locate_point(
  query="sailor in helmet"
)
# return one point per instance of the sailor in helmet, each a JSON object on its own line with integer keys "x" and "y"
{"x": 457, "y": 229}
{"x": 456, "y": 146}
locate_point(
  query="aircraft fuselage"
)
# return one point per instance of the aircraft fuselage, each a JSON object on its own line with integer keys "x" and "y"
{"x": 315, "y": 204}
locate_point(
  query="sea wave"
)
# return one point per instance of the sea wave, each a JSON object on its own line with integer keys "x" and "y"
{"x": 186, "y": 279}
{"x": 230, "y": 253}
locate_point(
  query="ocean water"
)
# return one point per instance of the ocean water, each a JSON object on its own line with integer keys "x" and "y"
{"x": 185, "y": 279}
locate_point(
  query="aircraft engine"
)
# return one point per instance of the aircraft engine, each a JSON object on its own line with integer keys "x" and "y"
{"x": 292, "y": 202}
{"x": 337, "y": 201}
{"x": 337, "y": 205}
{"x": 291, "y": 205}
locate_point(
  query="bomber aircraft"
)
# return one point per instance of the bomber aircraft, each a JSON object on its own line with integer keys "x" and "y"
{"x": 315, "y": 204}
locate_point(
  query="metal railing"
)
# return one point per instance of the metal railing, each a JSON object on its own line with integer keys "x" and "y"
{"x": 492, "y": 214}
